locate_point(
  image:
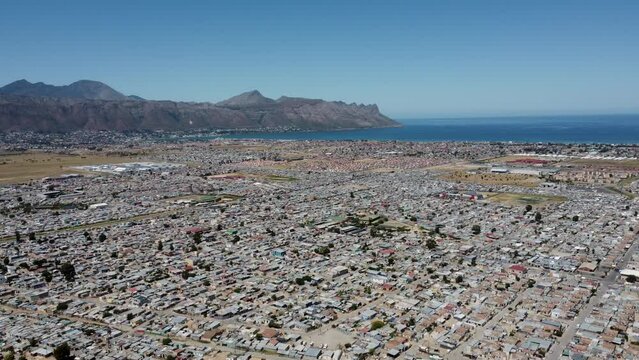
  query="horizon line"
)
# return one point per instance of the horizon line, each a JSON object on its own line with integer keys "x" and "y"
{"x": 464, "y": 117}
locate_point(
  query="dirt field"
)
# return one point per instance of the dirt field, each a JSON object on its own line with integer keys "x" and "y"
{"x": 254, "y": 177}
{"x": 517, "y": 199}
{"x": 36, "y": 165}
{"x": 507, "y": 158}
{"x": 332, "y": 337}
{"x": 625, "y": 164}
{"x": 492, "y": 179}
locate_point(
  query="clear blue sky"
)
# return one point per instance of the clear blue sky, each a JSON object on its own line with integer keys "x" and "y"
{"x": 412, "y": 58}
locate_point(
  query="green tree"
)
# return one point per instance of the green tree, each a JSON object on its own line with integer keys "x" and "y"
{"x": 476, "y": 229}
{"x": 68, "y": 271}
{"x": 47, "y": 276}
{"x": 160, "y": 245}
{"x": 322, "y": 250}
{"x": 62, "y": 352}
{"x": 377, "y": 324}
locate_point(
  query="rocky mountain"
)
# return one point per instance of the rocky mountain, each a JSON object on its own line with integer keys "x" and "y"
{"x": 83, "y": 89}
{"x": 250, "y": 98}
{"x": 90, "y": 105}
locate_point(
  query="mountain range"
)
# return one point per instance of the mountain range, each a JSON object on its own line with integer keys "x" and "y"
{"x": 92, "y": 105}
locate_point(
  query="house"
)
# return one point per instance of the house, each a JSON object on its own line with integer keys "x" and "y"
{"x": 518, "y": 269}
{"x": 278, "y": 252}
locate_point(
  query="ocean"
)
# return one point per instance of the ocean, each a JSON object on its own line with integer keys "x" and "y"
{"x": 612, "y": 129}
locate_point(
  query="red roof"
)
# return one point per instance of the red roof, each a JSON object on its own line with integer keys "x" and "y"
{"x": 529, "y": 161}
{"x": 517, "y": 267}
{"x": 195, "y": 230}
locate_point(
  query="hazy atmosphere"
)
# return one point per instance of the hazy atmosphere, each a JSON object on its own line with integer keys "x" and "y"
{"x": 319, "y": 180}
{"x": 412, "y": 58}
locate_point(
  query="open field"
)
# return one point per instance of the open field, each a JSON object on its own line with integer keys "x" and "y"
{"x": 254, "y": 177}
{"x": 17, "y": 168}
{"x": 511, "y": 158}
{"x": 205, "y": 198}
{"x": 492, "y": 179}
{"x": 627, "y": 181}
{"x": 608, "y": 163}
{"x": 456, "y": 166}
{"x": 516, "y": 199}
{"x": 621, "y": 191}
{"x": 626, "y": 164}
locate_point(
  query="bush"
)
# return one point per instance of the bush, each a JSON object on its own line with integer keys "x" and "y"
{"x": 68, "y": 271}
{"x": 322, "y": 250}
{"x": 62, "y": 352}
{"x": 377, "y": 324}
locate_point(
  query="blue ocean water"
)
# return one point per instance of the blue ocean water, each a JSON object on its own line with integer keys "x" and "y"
{"x": 613, "y": 129}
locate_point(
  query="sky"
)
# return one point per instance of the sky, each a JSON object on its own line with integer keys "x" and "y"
{"x": 412, "y": 58}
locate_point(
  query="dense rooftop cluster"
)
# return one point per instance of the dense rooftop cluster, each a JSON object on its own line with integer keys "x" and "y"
{"x": 322, "y": 250}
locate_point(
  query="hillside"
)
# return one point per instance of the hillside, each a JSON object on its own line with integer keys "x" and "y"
{"x": 90, "y": 105}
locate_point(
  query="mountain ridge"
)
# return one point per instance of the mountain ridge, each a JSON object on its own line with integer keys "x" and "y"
{"x": 92, "y": 105}
{"x": 81, "y": 89}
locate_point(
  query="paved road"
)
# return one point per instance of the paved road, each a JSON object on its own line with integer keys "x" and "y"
{"x": 556, "y": 351}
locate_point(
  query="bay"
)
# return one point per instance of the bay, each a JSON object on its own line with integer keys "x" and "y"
{"x": 613, "y": 129}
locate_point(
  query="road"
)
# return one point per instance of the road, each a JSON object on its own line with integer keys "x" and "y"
{"x": 556, "y": 351}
